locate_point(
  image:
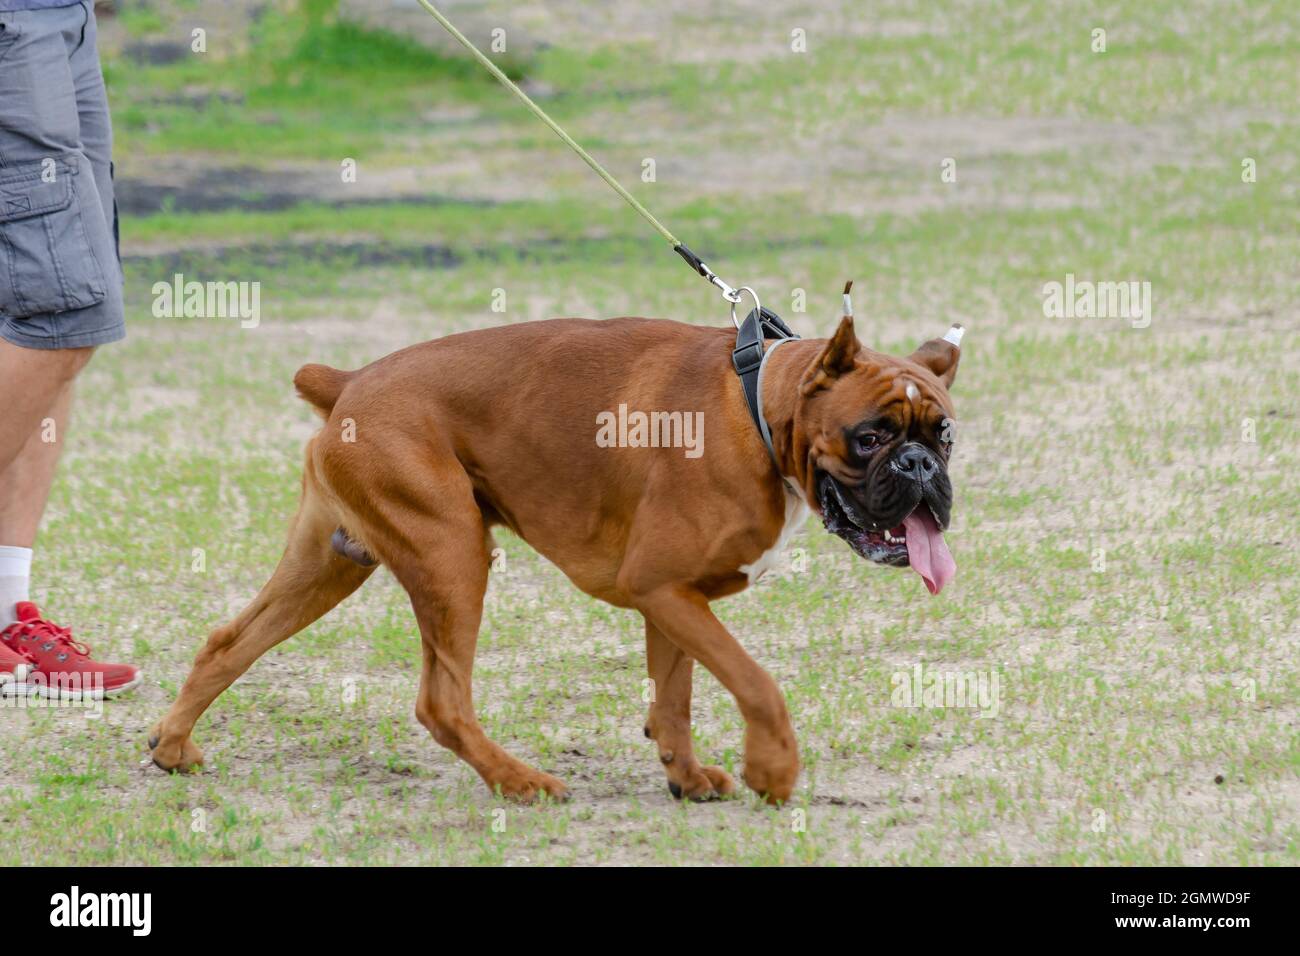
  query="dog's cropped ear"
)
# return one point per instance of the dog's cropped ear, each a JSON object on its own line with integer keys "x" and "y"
{"x": 836, "y": 359}
{"x": 940, "y": 356}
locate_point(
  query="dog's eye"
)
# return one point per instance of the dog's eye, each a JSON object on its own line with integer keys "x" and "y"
{"x": 867, "y": 443}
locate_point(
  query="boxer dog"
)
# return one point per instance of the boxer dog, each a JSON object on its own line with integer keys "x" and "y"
{"x": 424, "y": 451}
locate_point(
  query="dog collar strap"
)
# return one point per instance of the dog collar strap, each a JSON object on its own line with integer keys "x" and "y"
{"x": 749, "y": 357}
{"x": 758, "y": 387}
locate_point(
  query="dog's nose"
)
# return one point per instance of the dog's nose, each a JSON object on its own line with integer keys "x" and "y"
{"x": 915, "y": 462}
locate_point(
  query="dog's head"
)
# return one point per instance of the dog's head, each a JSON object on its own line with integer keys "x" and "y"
{"x": 874, "y": 433}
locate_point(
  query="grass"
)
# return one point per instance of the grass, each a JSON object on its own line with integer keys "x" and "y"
{"x": 307, "y": 84}
{"x": 1127, "y": 562}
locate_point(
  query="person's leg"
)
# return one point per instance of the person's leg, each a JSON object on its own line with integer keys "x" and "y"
{"x": 60, "y": 283}
{"x": 27, "y": 468}
{"x": 36, "y": 386}
{"x": 36, "y": 389}
{"x": 60, "y": 289}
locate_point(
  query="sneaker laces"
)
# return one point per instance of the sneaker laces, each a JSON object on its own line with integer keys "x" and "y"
{"x": 53, "y": 634}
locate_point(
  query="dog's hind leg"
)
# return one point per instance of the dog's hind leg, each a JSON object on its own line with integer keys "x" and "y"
{"x": 427, "y": 528}
{"x": 669, "y": 721}
{"x": 310, "y": 579}
{"x": 446, "y": 590}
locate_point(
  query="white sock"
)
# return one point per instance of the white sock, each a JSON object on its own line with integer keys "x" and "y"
{"x": 15, "y": 578}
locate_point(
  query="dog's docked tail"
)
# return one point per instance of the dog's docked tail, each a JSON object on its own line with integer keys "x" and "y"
{"x": 321, "y": 386}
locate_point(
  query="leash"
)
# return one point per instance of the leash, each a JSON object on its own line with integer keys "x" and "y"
{"x": 749, "y": 355}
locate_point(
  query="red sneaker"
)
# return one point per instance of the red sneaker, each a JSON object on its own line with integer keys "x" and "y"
{"x": 63, "y": 667}
{"x": 14, "y": 668}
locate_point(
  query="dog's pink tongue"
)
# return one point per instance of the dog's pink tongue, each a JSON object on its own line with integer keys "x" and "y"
{"x": 927, "y": 552}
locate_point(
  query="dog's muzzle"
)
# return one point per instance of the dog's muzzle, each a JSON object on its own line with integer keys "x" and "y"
{"x": 897, "y": 516}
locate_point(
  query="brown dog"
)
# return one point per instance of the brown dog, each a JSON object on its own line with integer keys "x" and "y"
{"x": 425, "y": 450}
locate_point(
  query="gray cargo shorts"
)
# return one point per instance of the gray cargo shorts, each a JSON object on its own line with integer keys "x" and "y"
{"x": 60, "y": 270}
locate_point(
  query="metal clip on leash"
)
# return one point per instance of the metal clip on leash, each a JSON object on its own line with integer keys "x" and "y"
{"x": 731, "y": 295}
{"x": 778, "y": 328}
{"x": 749, "y": 357}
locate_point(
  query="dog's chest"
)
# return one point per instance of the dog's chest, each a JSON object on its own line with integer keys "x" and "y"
{"x": 796, "y": 511}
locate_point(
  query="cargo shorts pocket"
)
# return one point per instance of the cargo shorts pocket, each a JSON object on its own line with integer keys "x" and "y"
{"x": 47, "y": 263}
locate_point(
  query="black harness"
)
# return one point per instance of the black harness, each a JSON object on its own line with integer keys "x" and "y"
{"x": 749, "y": 354}
{"x": 748, "y": 358}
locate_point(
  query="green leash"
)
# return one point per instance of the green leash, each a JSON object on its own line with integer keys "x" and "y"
{"x": 731, "y": 295}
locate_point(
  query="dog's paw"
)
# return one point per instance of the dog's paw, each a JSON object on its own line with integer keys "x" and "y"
{"x": 529, "y": 786}
{"x": 774, "y": 786}
{"x": 703, "y": 783}
{"x": 172, "y": 756}
{"x": 771, "y": 764}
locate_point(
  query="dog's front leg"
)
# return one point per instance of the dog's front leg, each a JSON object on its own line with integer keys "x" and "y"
{"x": 669, "y": 721}
{"x": 683, "y": 615}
